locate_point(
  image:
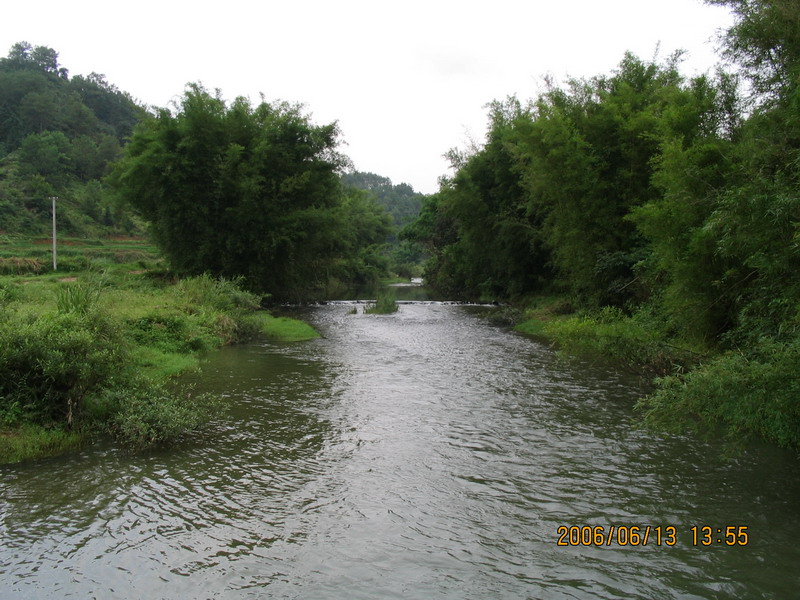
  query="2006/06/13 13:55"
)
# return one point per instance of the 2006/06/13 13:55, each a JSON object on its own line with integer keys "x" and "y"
{"x": 642, "y": 535}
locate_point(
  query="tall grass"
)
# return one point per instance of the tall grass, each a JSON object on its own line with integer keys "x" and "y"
{"x": 31, "y": 442}
{"x": 385, "y": 304}
{"x": 77, "y": 297}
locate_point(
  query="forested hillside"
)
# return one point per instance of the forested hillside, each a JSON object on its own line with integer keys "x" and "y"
{"x": 58, "y": 136}
{"x": 403, "y": 256}
{"x": 664, "y": 205}
{"x": 400, "y": 200}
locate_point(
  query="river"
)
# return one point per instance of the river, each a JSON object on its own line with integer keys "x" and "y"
{"x": 425, "y": 454}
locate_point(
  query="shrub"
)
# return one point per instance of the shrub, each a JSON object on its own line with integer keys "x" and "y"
{"x": 172, "y": 332}
{"x": 384, "y": 305}
{"x": 148, "y": 414}
{"x": 745, "y": 396}
{"x": 220, "y": 294}
{"x": 9, "y": 292}
{"x": 50, "y": 363}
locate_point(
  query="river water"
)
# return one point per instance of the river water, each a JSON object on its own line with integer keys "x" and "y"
{"x": 425, "y": 454}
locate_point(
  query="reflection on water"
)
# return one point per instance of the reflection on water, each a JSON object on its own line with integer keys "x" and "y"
{"x": 423, "y": 454}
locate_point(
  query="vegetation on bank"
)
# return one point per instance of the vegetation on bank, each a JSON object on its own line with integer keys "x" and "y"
{"x": 241, "y": 200}
{"x": 255, "y": 192}
{"x": 229, "y": 172}
{"x": 701, "y": 388}
{"x": 637, "y": 342}
{"x": 90, "y": 352}
{"x": 664, "y": 209}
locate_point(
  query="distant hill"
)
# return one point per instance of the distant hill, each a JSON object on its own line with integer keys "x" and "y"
{"x": 58, "y": 136}
{"x": 400, "y": 201}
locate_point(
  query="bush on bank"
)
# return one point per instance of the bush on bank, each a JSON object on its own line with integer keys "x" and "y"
{"x": 742, "y": 394}
{"x": 746, "y": 396}
{"x": 94, "y": 357}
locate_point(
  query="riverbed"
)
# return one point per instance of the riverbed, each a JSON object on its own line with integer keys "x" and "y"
{"x": 423, "y": 454}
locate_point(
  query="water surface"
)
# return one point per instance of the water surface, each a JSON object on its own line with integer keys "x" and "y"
{"x": 425, "y": 454}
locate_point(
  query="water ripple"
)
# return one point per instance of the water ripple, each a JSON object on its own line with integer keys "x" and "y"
{"x": 424, "y": 454}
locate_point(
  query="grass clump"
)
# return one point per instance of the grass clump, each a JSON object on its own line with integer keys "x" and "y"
{"x": 384, "y": 305}
{"x": 31, "y": 442}
{"x": 77, "y": 297}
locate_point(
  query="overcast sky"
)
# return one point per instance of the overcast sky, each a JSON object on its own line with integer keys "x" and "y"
{"x": 405, "y": 80}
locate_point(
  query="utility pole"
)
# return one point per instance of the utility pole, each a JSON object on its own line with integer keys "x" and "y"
{"x": 53, "y": 198}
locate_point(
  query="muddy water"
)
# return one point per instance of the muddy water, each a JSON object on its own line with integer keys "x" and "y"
{"x": 424, "y": 454}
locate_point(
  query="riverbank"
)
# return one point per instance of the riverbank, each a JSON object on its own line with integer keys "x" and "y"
{"x": 90, "y": 352}
{"x": 712, "y": 391}
{"x": 386, "y": 451}
{"x": 636, "y": 342}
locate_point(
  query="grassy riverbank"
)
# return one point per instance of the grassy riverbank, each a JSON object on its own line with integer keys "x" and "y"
{"x": 89, "y": 350}
{"x": 741, "y": 395}
{"x": 637, "y": 342}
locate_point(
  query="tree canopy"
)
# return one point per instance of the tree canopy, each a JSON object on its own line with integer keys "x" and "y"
{"x": 673, "y": 202}
{"x": 238, "y": 190}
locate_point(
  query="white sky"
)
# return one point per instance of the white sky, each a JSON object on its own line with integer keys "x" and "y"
{"x": 405, "y": 80}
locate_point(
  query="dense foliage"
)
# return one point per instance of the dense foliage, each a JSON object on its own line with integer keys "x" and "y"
{"x": 402, "y": 257}
{"x": 673, "y": 200}
{"x": 92, "y": 356}
{"x": 400, "y": 200}
{"x": 58, "y": 136}
{"x": 247, "y": 191}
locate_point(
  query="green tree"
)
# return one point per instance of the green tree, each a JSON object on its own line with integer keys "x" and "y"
{"x": 46, "y": 154}
{"x": 364, "y": 229}
{"x": 765, "y": 42}
{"x": 588, "y": 154}
{"x": 483, "y": 242}
{"x": 685, "y": 270}
{"x": 746, "y": 221}
{"x": 237, "y": 190}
